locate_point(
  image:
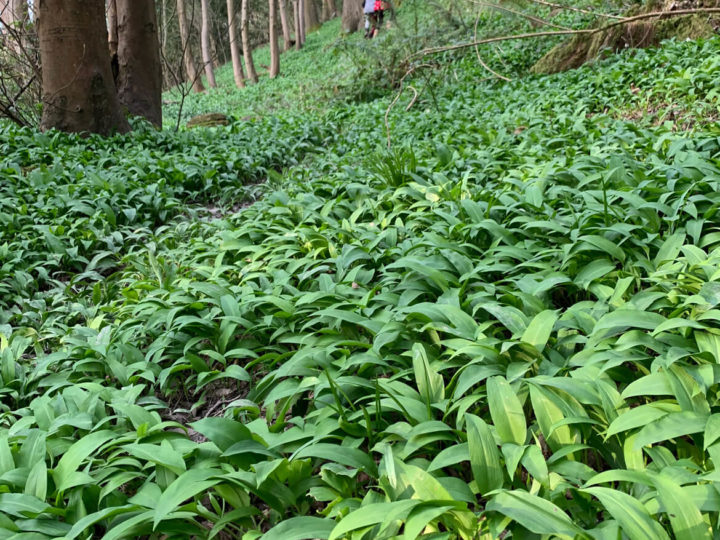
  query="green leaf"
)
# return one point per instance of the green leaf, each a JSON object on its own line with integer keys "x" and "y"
{"x": 534, "y": 513}
{"x": 429, "y": 382}
{"x": 635, "y": 520}
{"x": 65, "y": 472}
{"x": 184, "y": 487}
{"x": 484, "y": 455}
{"x": 627, "y": 318}
{"x": 671, "y": 426}
{"x": 506, "y": 411}
{"x": 686, "y": 520}
{"x": 300, "y": 528}
{"x": 224, "y": 432}
{"x": 371, "y": 514}
{"x": 538, "y": 331}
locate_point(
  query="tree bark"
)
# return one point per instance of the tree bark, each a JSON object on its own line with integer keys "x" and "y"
{"x": 310, "y": 17}
{"x": 234, "y": 50}
{"x": 301, "y": 21}
{"x": 352, "y": 16}
{"x": 296, "y": 20}
{"x": 112, "y": 20}
{"x": 287, "y": 40}
{"x": 247, "y": 50}
{"x": 78, "y": 91}
{"x": 139, "y": 80}
{"x": 205, "y": 44}
{"x": 192, "y": 73}
{"x": 272, "y": 36}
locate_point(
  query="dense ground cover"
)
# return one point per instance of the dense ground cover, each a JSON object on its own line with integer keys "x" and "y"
{"x": 507, "y": 324}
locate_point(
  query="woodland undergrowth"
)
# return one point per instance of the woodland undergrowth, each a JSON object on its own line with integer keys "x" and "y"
{"x": 506, "y": 325}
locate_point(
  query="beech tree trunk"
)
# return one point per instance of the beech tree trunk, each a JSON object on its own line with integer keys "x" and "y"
{"x": 247, "y": 50}
{"x": 329, "y": 10}
{"x": 310, "y": 16}
{"x": 112, "y": 29}
{"x": 272, "y": 35}
{"x": 352, "y": 16}
{"x": 296, "y": 21}
{"x": 192, "y": 73}
{"x": 285, "y": 25}
{"x": 234, "y": 50}
{"x": 78, "y": 91}
{"x": 205, "y": 44}
{"x": 139, "y": 81}
{"x": 299, "y": 24}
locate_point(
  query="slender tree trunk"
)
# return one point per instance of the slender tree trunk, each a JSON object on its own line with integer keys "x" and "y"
{"x": 273, "y": 37}
{"x": 352, "y": 16}
{"x": 192, "y": 73}
{"x": 139, "y": 81}
{"x": 234, "y": 50}
{"x": 163, "y": 27}
{"x": 310, "y": 16}
{"x": 298, "y": 24}
{"x": 205, "y": 44}
{"x": 78, "y": 90}
{"x": 301, "y": 16}
{"x": 247, "y": 50}
{"x": 284, "y": 24}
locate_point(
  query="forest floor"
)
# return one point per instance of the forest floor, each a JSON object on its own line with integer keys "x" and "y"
{"x": 506, "y": 321}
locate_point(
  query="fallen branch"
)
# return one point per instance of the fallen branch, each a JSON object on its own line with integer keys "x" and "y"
{"x": 577, "y": 10}
{"x": 585, "y": 31}
{"x": 533, "y": 18}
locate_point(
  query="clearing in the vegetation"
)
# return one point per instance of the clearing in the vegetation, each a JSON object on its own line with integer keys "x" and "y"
{"x": 505, "y": 326}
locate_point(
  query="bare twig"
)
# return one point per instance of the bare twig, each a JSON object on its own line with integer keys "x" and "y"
{"x": 480, "y": 60}
{"x": 397, "y": 97}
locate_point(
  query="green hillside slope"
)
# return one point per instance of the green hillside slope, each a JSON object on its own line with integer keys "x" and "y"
{"x": 505, "y": 325}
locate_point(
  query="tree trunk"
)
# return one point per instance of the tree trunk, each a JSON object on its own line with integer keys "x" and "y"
{"x": 247, "y": 50}
{"x": 285, "y": 25}
{"x": 139, "y": 81}
{"x": 192, "y": 73}
{"x": 296, "y": 19}
{"x": 78, "y": 91}
{"x": 205, "y": 44}
{"x": 163, "y": 27}
{"x": 310, "y": 17}
{"x": 234, "y": 50}
{"x": 272, "y": 36}
{"x": 352, "y": 16}
{"x": 301, "y": 21}
{"x": 112, "y": 21}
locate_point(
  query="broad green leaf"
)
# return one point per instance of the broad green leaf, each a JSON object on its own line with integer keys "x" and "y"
{"x": 184, "y": 487}
{"x": 506, "y": 411}
{"x": 538, "y": 331}
{"x": 65, "y": 471}
{"x": 633, "y": 517}
{"x": 671, "y": 426}
{"x": 484, "y": 455}
{"x": 534, "y": 513}
{"x": 224, "y": 432}
{"x": 429, "y": 382}
{"x": 301, "y": 528}
{"x": 686, "y": 520}
{"x": 370, "y": 514}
